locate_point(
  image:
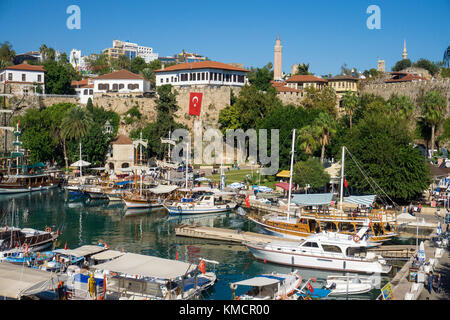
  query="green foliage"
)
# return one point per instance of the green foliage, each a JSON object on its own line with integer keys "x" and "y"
{"x": 303, "y": 69}
{"x": 434, "y": 107}
{"x": 58, "y": 77}
{"x": 350, "y": 101}
{"x": 445, "y": 136}
{"x": 402, "y": 64}
{"x": 261, "y": 77}
{"x": 322, "y": 99}
{"x": 427, "y": 65}
{"x": 383, "y": 148}
{"x": 445, "y": 72}
{"x": 400, "y": 106}
{"x": 121, "y": 62}
{"x": 99, "y": 64}
{"x": 133, "y": 114}
{"x": 7, "y": 54}
{"x": 310, "y": 172}
{"x": 137, "y": 65}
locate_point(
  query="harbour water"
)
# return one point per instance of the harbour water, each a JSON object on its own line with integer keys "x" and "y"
{"x": 84, "y": 221}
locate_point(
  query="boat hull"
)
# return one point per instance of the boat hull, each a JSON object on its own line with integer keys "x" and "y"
{"x": 318, "y": 262}
{"x": 142, "y": 205}
{"x": 185, "y": 210}
{"x": 25, "y": 190}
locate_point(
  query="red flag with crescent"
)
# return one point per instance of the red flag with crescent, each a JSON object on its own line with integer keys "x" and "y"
{"x": 247, "y": 201}
{"x": 310, "y": 287}
{"x": 345, "y": 183}
{"x": 195, "y": 103}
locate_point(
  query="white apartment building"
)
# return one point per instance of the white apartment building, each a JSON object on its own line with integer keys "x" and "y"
{"x": 23, "y": 77}
{"x": 78, "y": 61}
{"x": 202, "y": 73}
{"x": 132, "y": 50}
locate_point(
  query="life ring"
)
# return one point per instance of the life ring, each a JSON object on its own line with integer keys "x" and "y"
{"x": 356, "y": 238}
{"x": 48, "y": 229}
{"x": 233, "y": 286}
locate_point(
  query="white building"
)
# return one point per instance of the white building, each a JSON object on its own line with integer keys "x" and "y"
{"x": 23, "y": 77}
{"x": 78, "y": 61}
{"x": 84, "y": 89}
{"x": 202, "y": 73}
{"x": 122, "y": 81}
{"x": 131, "y": 50}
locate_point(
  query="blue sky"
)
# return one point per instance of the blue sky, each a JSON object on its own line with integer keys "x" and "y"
{"x": 326, "y": 34}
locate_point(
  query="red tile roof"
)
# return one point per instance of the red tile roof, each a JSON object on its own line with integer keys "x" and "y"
{"x": 287, "y": 89}
{"x": 202, "y": 65}
{"x": 80, "y": 83}
{"x": 277, "y": 83}
{"x": 25, "y": 67}
{"x": 121, "y": 74}
{"x": 406, "y": 78}
{"x": 122, "y": 139}
{"x": 305, "y": 78}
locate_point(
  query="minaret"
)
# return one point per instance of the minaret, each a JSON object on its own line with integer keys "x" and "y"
{"x": 405, "y": 53}
{"x": 277, "y": 65}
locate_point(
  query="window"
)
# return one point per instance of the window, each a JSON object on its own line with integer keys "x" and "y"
{"x": 310, "y": 245}
{"x": 193, "y": 76}
{"x": 130, "y": 86}
{"x": 85, "y": 92}
{"x": 39, "y": 78}
{"x": 203, "y": 76}
{"x": 162, "y": 80}
{"x": 91, "y": 91}
{"x": 330, "y": 248}
{"x": 9, "y": 76}
{"x": 121, "y": 86}
{"x": 115, "y": 87}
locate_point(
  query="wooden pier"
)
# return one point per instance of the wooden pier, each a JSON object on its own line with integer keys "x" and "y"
{"x": 222, "y": 234}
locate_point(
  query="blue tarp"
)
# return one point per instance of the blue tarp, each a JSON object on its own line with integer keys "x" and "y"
{"x": 121, "y": 183}
{"x": 313, "y": 199}
{"x": 84, "y": 279}
{"x": 362, "y": 200}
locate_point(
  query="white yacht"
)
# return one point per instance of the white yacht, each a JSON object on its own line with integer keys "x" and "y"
{"x": 326, "y": 250}
{"x": 208, "y": 203}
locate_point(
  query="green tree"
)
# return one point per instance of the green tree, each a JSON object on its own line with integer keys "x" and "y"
{"x": 303, "y": 69}
{"x": 401, "y": 65}
{"x": 434, "y": 108}
{"x": 325, "y": 125}
{"x": 261, "y": 77}
{"x": 383, "y": 148}
{"x": 310, "y": 172}
{"x": 121, "y": 62}
{"x": 308, "y": 139}
{"x": 350, "y": 101}
{"x": 58, "y": 77}
{"x": 7, "y": 54}
{"x": 99, "y": 64}
{"x": 401, "y": 106}
{"x": 426, "y": 64}
{"x": 137, "y": 65}
{"x": 43, "y": 50}
{"x": 322, "y": 99}
{"x": 76, "y": 124}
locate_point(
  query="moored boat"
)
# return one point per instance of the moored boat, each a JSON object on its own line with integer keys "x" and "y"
{"x": 208, "y": 203}
{"x": 327, "y": 250}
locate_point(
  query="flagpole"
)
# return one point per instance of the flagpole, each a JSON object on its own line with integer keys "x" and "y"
{"x": 342, "y": 177}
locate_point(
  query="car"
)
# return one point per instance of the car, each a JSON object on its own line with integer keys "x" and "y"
{"x": 183, "y": 168}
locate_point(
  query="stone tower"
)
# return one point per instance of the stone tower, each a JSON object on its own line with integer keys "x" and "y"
{"x": 381, "y": 67}
{"x": 405, "y": 53}
{"x": 277, "y": 64}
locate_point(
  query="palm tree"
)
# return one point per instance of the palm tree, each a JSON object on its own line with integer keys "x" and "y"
{"x": 43, "y": 51}
{"x": 401, "y": 106}
{"x": 308, "y": 139}
{"x": 434, "y": 108}
{"x": 303, "y": 69}
{"x": 75, "y": 125}
{"x": 350, "y": 101}
{"x": 325, "y": 126}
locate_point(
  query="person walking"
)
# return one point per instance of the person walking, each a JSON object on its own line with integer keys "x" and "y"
{"x": 430, "y": 282}
{"x": 438, "y": 283}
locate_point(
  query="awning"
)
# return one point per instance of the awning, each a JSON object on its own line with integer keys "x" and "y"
{"x": 284, "y": 174}
{"x": 162, "y": 189}
{"x": 362, "y": 200}
{"x": 283, "y": 185}
{"x": 147, "y": 266}
{"x": 82, "y": 251}
{"x": 17, "y": 281}
{"x": 121, "y": 183}
{"x": 257, "y": 282}
{"x": 107, "y": 255}
{"x": 313, "y": 199}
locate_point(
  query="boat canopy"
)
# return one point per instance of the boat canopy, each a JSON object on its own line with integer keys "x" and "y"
{"x": 80, "y": 163}
{"x": 17, "y": 281}
{"x": 162, "y": 189}
{"x": 121, "y": 183}
{"x": 107, "y": 255}
{"x": 284, "y": 174}
{"x": 362, "y": 200}
{"x": 284, "y": 185}
{"x": 147, "y": 266}
{"x": 81, "y": 251}
{"x": 259, "y": 281}
{"x": 312, "y": 199}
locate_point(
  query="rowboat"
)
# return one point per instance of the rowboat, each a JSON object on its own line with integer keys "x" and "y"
{"x": 355, "y": 284}
{"x": 273, "y": 286}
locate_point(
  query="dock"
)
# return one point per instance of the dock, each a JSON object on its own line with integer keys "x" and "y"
{"x": 222, "y": 234}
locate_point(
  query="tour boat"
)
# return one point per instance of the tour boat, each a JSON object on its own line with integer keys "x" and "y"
{"x": 28, "y": 183}
{"x": 298, "y": 222}
{"x": 15, "y": 240}
{"x": 148, "y": 198}
{"x": 205, "y": 204}
{"x": 326, "y": 250}
{"x": 274, "y": 286}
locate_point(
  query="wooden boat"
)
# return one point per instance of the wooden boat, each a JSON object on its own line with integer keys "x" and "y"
{"x": 148, "y": 198}
{"x": 16, "y": 240}
{"x": 327, "y": 250}
{"x": 274, "y": 286}
{"x": 28, "y": 183}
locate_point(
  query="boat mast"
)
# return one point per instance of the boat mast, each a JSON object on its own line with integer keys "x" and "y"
{"x": 188, "y": 149}
{"x": 342, "y": 177}
{"x": 290, "y": 175}
{"x": 81, "y": 172}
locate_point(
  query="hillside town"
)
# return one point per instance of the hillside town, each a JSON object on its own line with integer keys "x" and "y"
{"x": 129, "y": 175}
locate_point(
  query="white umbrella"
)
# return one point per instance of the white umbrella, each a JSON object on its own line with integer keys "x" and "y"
{"x": 80, "y": 163}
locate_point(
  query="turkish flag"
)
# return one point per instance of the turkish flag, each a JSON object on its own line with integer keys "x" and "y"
{"x": 195, "y": 103}
{"x": 201, "y": 266}
{"x": 310, "y": 287}
{"x": 247, "y": 201}
{"x": 345, "y": 183}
